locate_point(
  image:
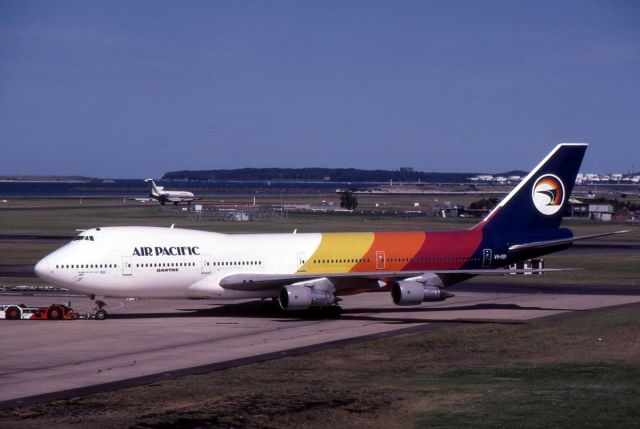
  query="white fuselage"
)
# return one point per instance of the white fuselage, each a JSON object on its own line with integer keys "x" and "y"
{"x": 170, "y": 263}
{"x": 162, "y": 195}
{"x": 174, "y": 196}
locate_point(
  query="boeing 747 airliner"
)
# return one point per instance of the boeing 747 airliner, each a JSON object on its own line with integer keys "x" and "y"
{"x": 303, "y": 271}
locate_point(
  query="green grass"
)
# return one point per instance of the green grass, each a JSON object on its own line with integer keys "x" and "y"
{"x": 545, "y": 396}
{"x": 50, "y": 219}
{"x": 598, "y": 268}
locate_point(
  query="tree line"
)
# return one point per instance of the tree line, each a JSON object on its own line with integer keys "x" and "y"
{"x": 319, "y": 174}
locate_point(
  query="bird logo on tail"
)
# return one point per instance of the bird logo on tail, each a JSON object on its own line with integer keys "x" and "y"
{"x": 548, "y": 194}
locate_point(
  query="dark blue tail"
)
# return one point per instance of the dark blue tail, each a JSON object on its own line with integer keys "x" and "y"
{"x": 534, "y": 209}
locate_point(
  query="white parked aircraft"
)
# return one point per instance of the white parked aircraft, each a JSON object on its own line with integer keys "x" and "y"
{"x": 163, "y": 195}
{"x": 310, "y": 270}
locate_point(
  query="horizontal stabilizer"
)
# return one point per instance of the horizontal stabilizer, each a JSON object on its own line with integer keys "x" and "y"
{"x": 559, "y": 242}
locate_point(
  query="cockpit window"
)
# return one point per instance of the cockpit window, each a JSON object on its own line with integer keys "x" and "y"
{"x": 84, "y": 237}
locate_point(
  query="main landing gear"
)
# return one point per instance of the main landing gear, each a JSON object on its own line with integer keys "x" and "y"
{"x": 319, "y": 313}
{"x": 98, "y": 313}
{"x": 330, "y": 312}
{"x": 325, "y": 312}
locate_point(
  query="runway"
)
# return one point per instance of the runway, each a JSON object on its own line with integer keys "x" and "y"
{"x": 145, "y": 341}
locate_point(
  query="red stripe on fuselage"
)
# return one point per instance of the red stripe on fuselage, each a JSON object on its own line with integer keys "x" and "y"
{"x": 446, "y": 250}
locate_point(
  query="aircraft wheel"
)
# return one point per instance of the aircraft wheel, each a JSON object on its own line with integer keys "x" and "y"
{"x": 101, "y": 315}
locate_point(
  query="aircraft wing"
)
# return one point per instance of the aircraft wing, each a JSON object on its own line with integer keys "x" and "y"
{"x": 559, "y": 242}
{"x": 253, "y": 282}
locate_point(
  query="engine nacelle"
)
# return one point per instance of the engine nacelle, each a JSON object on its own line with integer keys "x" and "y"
{"x": 298, "y": 297}
{"x": 406, "y": 292}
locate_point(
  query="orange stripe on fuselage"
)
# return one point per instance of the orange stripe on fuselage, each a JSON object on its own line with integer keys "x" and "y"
{"x": 398, "y": 248}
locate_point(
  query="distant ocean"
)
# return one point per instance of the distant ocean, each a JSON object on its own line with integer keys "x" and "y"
{"x": 136, "y": 188}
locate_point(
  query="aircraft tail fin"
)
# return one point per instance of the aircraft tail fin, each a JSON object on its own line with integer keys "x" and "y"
{"x": 539, "y": 201}
{"x": 155, "y": 190}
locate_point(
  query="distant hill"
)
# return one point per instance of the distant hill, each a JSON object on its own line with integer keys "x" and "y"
{"x": 324, "y": 174}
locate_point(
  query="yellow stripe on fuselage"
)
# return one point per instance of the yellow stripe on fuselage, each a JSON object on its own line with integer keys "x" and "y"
{"x": 338, "y": 252}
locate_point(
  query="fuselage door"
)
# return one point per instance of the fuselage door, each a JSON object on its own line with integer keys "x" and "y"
{"x": 127, "y": 266}
{"x": 301, "y": 261}
{"x": 206, "y": 264}
{"x": 486, "y": 258}
{"x": 380, "y": 260}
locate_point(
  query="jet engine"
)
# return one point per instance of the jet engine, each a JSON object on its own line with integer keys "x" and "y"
{"x": 304, "y": 296}
{"x": 417, "y": 290}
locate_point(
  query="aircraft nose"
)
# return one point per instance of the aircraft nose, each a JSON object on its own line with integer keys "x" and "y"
{"x": 42, "y": 268}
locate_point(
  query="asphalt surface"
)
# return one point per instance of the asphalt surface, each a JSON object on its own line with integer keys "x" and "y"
{"x": 145, "y": 341}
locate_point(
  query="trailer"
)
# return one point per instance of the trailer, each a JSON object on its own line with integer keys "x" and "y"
{"x": 51, "y": 312}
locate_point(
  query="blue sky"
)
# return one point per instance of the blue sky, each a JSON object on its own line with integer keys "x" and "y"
{"x": 136, "y": 88}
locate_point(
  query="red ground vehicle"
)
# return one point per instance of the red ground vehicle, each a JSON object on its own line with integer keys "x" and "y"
{"x": 52, "y": 312}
